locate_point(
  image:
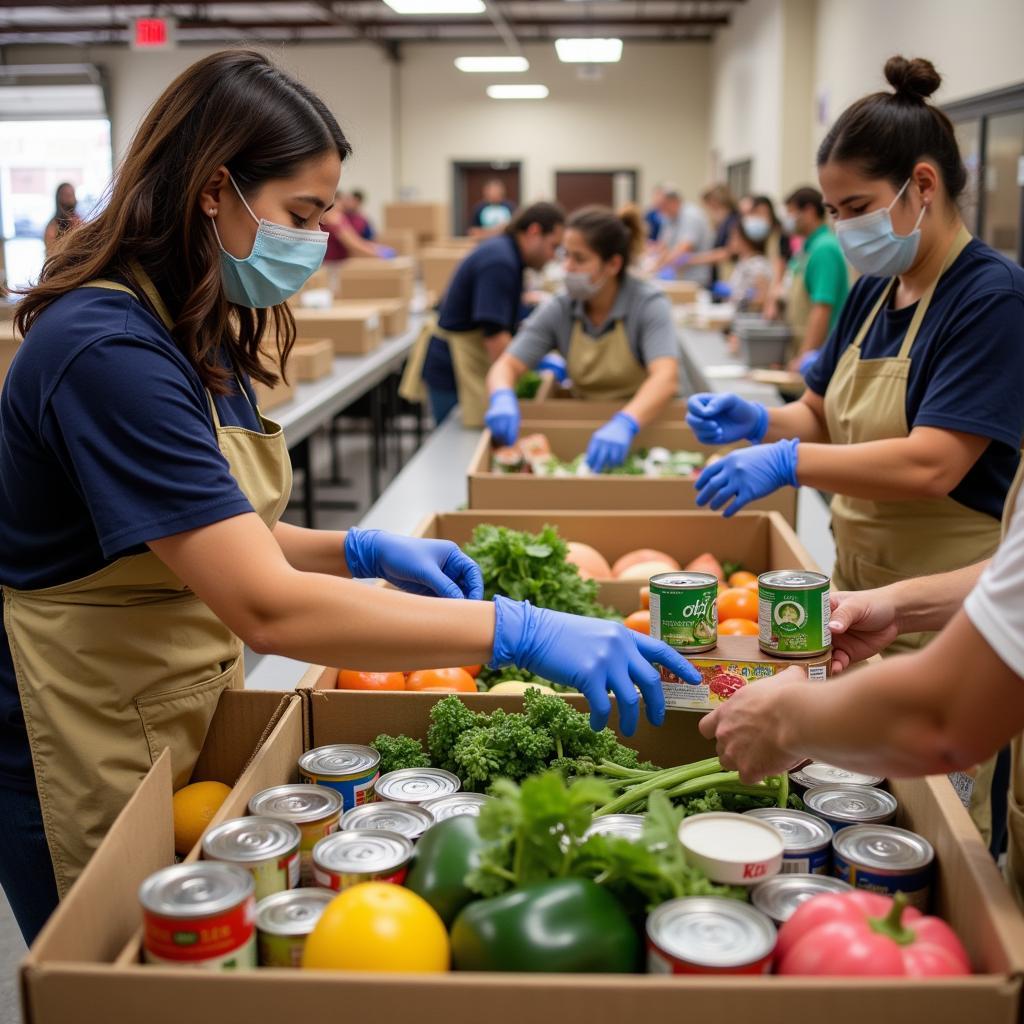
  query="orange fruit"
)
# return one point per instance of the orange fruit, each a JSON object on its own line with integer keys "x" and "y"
{"x": 639, "y": 621}
{"x": 737, "y": 603}
{"x": 350, "y": 680}
{"x": 737, "y": 627}
{"x": 742, "y": 579}
{"x": 645, "y": 598}
{"x": 750, "y": 586}
{"x": 194, "y": 808}
{"x": 473, "y": 670}
{"x": 442, "y": 680}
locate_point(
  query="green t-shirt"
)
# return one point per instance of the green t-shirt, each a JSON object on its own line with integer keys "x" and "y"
{"x": 824, "y": 271}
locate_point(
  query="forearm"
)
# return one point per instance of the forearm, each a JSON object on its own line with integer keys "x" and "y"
{"x": 320, "y": 551}
{"x": 926, "y": 604}
{"x": 816, "y": 333}
{"x": 707, "y": 257}
{"x": 504, "y": 374}
{"x": 796, "y": 419}
{"x": 653, "y": 395}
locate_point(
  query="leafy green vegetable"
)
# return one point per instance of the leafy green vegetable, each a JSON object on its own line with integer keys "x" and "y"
{"x": 399, "y": 752}
{"x": 528, "y": 385}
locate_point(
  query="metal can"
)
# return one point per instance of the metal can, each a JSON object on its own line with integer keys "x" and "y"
{"x": 624, "y": 826}
{"x": 442, "y": 807}
{"x": 794, "y": 613}
{"x": 709, "y": 935}
{"x": 200, "y": 915}
{"x": 807, "y": 840}
{"x": 842, "y": 806}
{"x": 314, "y": 810}
{"x": 684, "y": 610}
{"x": 266, "y": 847}
{"x": 416, "y": 785}
{"x": 284, "y": 922}
{"x": 818, "y": 773}
{"x": 349, "y": 768}
{"x": 887, "y": 860}
{"x": 364, "y": 855}
{"x": 409, "y": 820}
{"x": 779, "y": 897}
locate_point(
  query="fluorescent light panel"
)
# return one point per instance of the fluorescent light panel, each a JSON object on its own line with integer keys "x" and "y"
{"x": 492, "y": 65}
{"x": 589, "y": 51}
{"x": 517, "y": 92}
{"x": 436, "y": 6}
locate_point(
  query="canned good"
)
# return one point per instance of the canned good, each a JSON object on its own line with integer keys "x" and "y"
{"x": 266, "y": 847}
{"x": 732, "y": 849}
{"x": 442, "y": 807}
{"x": 314, "y": 810}
{"x": 416, "y": 785}
{"x": 842, "y": 806}
{"x": 349, "y": 768}
{"x": 684, "y": 610}
{"x": 625, "y": 826}
{"x": 709, "y": 935}
{"x": 818, "y": 773}
{"x": 409, "y": 820}
{"x": 779, "y": 897}
{"x": 284, "y": 922}
{"x": 364, "y": 855}
{"x": 806, "y": 840}
{"x": 794, "y": 613}
{"x": 200, "y": 915}
{"x": 887, "y": 860}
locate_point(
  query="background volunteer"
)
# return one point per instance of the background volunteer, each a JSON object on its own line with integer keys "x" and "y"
{"x": 685, "y": 232}
{"x": 751, "y": 278}
{"x": 614, "y": 331}
{"x": 65, "y": 217}
{"x": 493, "y": 212}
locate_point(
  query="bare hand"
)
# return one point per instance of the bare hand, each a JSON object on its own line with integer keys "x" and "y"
{"x": 863, "y": 624}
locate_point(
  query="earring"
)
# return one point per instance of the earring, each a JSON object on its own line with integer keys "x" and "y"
{"x": 213, "y": 212}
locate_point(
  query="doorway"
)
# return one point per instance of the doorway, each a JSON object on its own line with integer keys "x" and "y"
{"x": 469, "y": 179}
{"x": 575, "y": 189}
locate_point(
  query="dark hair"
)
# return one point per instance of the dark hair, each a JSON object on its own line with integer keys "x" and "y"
{"x": 358, "y": 195}
{"x": 719, "y": 194}
{"x": 756, "y": 201}
{"x": 609, "y": 233}
{"x": 548, "y": 215}
{"x": 61, "y": 216}
{"x": 236, "y": 109}
{"x": 886, "y": 133}
{"x": 806, "y": 196}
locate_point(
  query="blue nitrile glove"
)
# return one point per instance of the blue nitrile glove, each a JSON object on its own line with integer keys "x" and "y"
{"x": 592, "y": 655}
{"x": 666, "y": 274}
{"x": 807, "y": 360}
{"x": 722, "y": 419}
{"x": 385, "y": 252}
{"x": 721, "y": 290}
{"x": 503, "y": 417}
{"x": 748, "y": 474}
{"x": 609, "y": 445}
{"x": 555, "y": 365}
{"x": 417, "y": 566}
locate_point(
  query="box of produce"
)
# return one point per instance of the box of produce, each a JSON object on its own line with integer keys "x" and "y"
{"x": 494, "y": 890}
{"x": 393, "y": 313}
{"x": 559, "y": 405}
{"x": 548, "y": 469}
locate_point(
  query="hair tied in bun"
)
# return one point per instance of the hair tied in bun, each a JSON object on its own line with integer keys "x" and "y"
{"x": 913, "y": 80}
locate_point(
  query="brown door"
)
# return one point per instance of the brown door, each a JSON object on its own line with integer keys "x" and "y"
{"x": 470, "y": 179}
{"x": 574, "y": 189}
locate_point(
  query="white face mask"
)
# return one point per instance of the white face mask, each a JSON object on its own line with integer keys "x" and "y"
{"x": 873, "y": 247}
{"x": 756, "y": 228}
{"x": 580, "y": 286}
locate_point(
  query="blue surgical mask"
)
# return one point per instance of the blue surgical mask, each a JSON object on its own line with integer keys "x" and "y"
{"x": 871, "y": 245}
{"x": 757, "y": 229}
{"x": 282, "y": 260}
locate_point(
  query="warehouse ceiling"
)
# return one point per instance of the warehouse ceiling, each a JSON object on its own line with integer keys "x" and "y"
{"x": 232, "y": 21}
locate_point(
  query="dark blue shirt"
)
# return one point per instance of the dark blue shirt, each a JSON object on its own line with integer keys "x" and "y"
{"x": 106, "y": 442}
{"x": 966, "y": 365}
{"x": 653, "y": 219}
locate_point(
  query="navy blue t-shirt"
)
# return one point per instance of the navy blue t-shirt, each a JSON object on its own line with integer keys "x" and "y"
{"x": 966, "y": 365}
{"x": 106, "y": 442}
{"x": 486, "y": 292}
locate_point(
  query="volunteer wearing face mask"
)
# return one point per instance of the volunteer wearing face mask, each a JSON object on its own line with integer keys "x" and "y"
{"x": 762, "y": 225}
{"x": 614, "y": 330}
{"x": 64, "y": 219}
{"x": 141, "y": 489}
{"x": 913, "y": 416}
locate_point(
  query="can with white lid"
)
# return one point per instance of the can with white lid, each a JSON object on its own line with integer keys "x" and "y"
{"x": 732, "y": 849}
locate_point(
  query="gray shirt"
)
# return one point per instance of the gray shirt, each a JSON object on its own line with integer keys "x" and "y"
{"x": 690, "y": 226}
{"x": 644, "y": 309}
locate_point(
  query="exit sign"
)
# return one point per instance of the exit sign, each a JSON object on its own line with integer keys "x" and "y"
{"x": 152, "y": 33}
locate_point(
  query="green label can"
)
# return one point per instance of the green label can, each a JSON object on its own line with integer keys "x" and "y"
{"x": 793, "y": 613}
{"x": 684, "y": 610}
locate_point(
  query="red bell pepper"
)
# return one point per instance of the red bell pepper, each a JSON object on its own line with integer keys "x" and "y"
{"x": 863, "y": 933}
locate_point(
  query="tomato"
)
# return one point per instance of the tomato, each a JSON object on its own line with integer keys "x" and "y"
{"x": 645, "y": 598}
{"x": 639, "y": 621}
{"x": 742, "y": 579}
{"x": 737, "y": 627}
{"x": 753, "y": 586}
{"x": 737, "y": 603}
{"x": 473, "y": 670}
{"x": 447, "y": 680}
{"x": 349, "y": 680}
{"x": 377, "y": 926}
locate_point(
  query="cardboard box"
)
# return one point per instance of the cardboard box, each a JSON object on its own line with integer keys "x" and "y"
{"x": 352, "y": 331}
{"x": 438, "y": 266}
{"x": 320, "y": 279}
{"x": 402, "y": 240}
{"x": 680, "y": 292}
{"x": 429, "y": 221}
{"x": 366, "y": 278}
{"x": 562, "y": 407}
{"x": 311, "y": 359}
{"x": 464, "y": 243}
{"x": 393, "y": 313}
{"x": 273, "y": 398}
{"x": 518, "y": 490}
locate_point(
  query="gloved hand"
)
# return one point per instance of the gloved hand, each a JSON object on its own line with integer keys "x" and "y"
{"x": 666, "y": 274}
{"x": 609, "y": 445}
{"x": 555, "y": 365}
{"x": 807, "y": 360}
{"x": 722, "y": 419}
{"x": 426, "y": 567}
{"x": 748, "y": 474}
{"x": 592, "y": 655}
{"x": 503, "y": 417}
{"x": 721, "y": 290}
{"x": 385, "y": 252}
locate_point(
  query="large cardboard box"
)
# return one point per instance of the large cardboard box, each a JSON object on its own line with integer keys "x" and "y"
{"x": 680, "y": 292}
{"x": 352, "y": 331}
{"x": 367, "y": 278}
{"x": 622, "y": 493}
{"x": 402, "y": 240}
{"x": 562, "y": 407}
{"x": 311, "y": 359}
{"x": 438, "y": 265}
{"x": 430, "y": 221}
{"x": 393, "y": 313}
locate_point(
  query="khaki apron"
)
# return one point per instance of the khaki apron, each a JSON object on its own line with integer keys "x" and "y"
{"x": 603, "y": 369}
{"x": 471, "y": 363}
{"x": 412, "y": 388}
{"x": 114, "y": 667}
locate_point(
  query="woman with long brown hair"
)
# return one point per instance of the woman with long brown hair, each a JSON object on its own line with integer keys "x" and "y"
{"x": 141, "y": 489}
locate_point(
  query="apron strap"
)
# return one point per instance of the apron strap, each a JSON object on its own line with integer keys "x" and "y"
{"x": 862, "y": 333}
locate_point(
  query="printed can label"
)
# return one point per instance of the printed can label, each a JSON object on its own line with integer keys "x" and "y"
{"x": 354, "y": 792}
{"x": 224, "y": 941}
{"x": 794, "y": 622}
{"x": 684, "y": 611}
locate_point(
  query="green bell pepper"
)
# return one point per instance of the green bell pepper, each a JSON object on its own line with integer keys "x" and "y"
{"x": 444, "y": 856}
{"x": 565, "y": 925}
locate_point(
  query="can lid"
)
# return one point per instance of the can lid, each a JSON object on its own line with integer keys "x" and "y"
{"x": 250, "y": 840}
{"x": 362, "y": 851}
{"x": 292, "y": 911}
{"x": 856, "y": 804}
{"x": 801, "y": 832}
{"x": 793, "y": 579}
{"x": 684, "y": 580}
{"x": 884, "y": 847}
{"x": 780, "y": 896}
{"x": 406, "y": 819}
{"x": 726, "y": 839}
{"x": 451, "y": 806}
{"x": 625, "y": 826}
{"x": 195, "y": 890}
{"x": 712, "y": 931}
{"x": 414, "y": 785}
{"x": 339, "y": 760}
{"x": 818, "y": 773}
{"x": 298, "y": 803}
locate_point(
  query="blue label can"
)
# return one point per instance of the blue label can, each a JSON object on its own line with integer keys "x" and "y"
{"x": 350, "y": 769}
{"x": 886, "y": 860}
{"x": 807, "y": 840}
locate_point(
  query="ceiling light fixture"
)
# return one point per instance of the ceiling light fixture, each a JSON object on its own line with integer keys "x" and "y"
{"x": 589, "y": 51}
{"x": 415, "y": 7}
{"x": 492, "y": 65}
{"x": 517, "y": 92}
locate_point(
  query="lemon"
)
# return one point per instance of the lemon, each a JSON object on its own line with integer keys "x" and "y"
{"x": 194, "y": 808}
